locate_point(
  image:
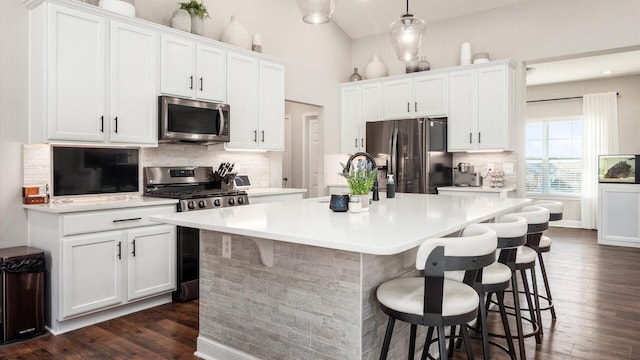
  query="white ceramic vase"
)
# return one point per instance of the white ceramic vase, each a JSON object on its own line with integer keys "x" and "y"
{"x": 236, "y": 34}
{"x": 465, "y": 54}
{"x": 181, "y": 20}
{"x": 375, "y": 68}
{"x": 197, "y": 24}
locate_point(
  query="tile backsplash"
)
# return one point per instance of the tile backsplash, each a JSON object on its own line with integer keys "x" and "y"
{"x": 480, "y": 161}
{"x": 37, "y": 161}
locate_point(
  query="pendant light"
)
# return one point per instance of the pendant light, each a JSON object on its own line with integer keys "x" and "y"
{"x": 316, "y": 11}
{"x": 406, "y": 36}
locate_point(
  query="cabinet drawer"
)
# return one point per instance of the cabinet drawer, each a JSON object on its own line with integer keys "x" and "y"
{"x": 94, "y": 221}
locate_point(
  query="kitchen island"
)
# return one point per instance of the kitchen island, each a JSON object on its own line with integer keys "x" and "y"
{"x": 294, "y": 280}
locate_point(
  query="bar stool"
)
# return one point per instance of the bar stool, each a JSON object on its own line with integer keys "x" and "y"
{"x": 556, "y": 209}
{"x": 433, "y": 301}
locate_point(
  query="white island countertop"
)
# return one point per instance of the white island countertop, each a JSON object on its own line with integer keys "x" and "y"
{"x": 478, "y": 189}
{"x": 391, "y": 226}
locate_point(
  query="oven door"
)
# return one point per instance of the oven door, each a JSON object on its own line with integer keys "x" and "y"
{"x": 192, "y": 120}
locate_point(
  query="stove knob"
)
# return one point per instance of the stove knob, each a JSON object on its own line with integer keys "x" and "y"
{"x": 216, "y": 202}
{"x": 240, "y": 201}
{"x": 232, "y": 202}
{"x": 191, "y": 205}
{"x": 201, "y": 204}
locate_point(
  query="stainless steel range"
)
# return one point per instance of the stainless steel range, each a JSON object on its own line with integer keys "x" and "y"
{"x": 196, "y": 188}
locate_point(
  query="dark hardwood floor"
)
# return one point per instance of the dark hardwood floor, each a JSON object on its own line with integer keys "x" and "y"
{"x": 596, "y": 291}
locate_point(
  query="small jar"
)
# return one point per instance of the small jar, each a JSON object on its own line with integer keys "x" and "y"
{"x": 355, "y": 76}
{"x": 355, "y": 204}
{"x": 411, "y": 66}
{"x": 256, "y": 43}
{"x": 423, "y": 64}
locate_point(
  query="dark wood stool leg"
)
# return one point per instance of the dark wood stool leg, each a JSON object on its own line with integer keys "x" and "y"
{"x": 412, "y": 341}
{"x": 483, "y": 325}
{"x": 530, "y": 304}
{"x": 442, "y": 342}
{"x": 505, "y": 323}
{"x": 516, "y": 305}
{"x": 536, "y": 299}
{"x": 387, "y": 339}
{"x": 467, "y": 342}
{"x": 547, "y": 288}
{"x": 427, "y": 342}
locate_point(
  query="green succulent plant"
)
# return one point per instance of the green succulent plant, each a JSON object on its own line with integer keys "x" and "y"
{"x": 196, "y": 8}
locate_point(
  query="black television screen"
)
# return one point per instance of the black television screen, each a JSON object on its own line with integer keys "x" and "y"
{"x": 86, "y": 171}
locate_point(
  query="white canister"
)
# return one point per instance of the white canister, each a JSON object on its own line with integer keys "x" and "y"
{"x": 375, "y": 68}
{"x": 465, "y": 54}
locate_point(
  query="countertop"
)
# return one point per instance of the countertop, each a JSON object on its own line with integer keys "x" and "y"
{"x": 391, "y": 226}
{"x": 66, "y": 205}
{"x": 487, "y": 189}
{"x": 264, "y": 191}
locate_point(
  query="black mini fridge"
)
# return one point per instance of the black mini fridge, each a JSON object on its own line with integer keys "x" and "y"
{"x": 22, "y": 282}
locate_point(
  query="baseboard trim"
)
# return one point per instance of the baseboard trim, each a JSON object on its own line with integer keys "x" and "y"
{"x": 574, "y": 224}
{"x": 212, "y": 350}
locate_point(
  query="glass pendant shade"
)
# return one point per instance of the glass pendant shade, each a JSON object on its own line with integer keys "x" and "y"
{"x": 316, "y": 11}
{"x": 406, "y": 37}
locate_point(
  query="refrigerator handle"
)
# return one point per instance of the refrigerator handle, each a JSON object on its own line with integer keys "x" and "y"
{"x": 393, "y": 153}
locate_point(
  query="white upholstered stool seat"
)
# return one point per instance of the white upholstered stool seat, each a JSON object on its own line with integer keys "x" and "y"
{"x": 525, "y": 255}
{"x": 556, "y": 208}
{"x": 433, "y": 301}
{"x": 496, "y": 273}
{"x": 407, "y": 295}
{"x": 545, "y": 241}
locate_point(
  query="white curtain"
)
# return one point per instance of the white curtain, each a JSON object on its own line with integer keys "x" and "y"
{"x": 600, "y": 112}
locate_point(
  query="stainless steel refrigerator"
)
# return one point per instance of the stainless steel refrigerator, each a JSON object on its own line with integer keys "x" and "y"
{"x": 414, "y": 151}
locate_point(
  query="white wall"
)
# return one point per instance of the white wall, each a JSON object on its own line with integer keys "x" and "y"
{"x": 13, "y": 120}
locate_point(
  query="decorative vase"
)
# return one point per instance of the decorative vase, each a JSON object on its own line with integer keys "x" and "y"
{"x": 236, "y": 34}
{"x": 423, "y": 64}
{"x": 411, "y": 66}
{"x": 355, "y": 76}
{"x": 181, "y": 20}
{"x": 465, "y": 54}
{"x": 197, "y": 24}
{"x": 375, "y": 68}
{"x": 355, "y": 203}
{"x": 366, "y": 200}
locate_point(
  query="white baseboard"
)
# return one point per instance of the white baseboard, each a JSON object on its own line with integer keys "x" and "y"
{"x": 212, "y": 350}
{"x": 574, "y": 224}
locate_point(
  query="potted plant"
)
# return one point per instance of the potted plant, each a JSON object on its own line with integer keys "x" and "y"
{"x": 360, "y": 177}
{"x": 198, "y": 13}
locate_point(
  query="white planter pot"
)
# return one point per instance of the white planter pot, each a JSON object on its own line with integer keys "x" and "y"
{"x": 181, "y": 20}
{"x": 197, "y": 24}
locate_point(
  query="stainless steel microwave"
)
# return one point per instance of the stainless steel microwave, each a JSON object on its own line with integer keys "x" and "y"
{"x": 192, "y": 120}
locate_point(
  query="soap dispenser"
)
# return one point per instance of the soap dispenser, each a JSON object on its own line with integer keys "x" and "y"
{"x": 391, "y": 187}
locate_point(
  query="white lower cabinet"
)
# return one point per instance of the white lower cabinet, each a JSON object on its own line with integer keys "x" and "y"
{"x": 619, "y": 214}
{"x": 105, "y": 263}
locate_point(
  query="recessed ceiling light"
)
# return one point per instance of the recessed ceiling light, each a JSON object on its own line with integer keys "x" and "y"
{"x": 608, "y": 72}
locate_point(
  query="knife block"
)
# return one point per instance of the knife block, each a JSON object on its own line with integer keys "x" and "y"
{"x": 225, "y": 182}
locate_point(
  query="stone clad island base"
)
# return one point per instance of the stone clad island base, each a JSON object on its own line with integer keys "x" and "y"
{"x": 314, "y": 303}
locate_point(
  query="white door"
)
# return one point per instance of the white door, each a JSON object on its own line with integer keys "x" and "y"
{"x": 493, "y": 107}
{"x": 76, "y": 75}
{"x": 461, "y": 125}
{"x": 398, "y": 103}
{"x": 350, "y": 118}
{"x": 314, "y": 154}
{"x": 271, "y": 106}
{"x": 151, "y": 261}
{"x": 133, "y": 86}
{"x": 430, "y": 95}
{"x": 211, "y": 73}
{"x": 242, "y": 96}
{"x": 177, "y": 66}
{"x": 92, "y": 268}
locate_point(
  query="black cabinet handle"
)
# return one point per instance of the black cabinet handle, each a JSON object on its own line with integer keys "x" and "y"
{"x": 102, "y": 123}
{"x": 119, "y": 250}
{"x": 201, "y": 83}
{"x": 408, "y": 107}
{"x": 470, "y": 138}
{"x": 356, "y": 139}
{"x": 262, "y": 135}
{"x": 191, "y": 82}
{"x": 362, "y": 143}
{"x": 479, "y": 138}
{"x": 129, "y": 219}
{"x": 255, "y": 135}
{"x": 133, "y": 252}
{"x": 416, "y": 106}
{"x": 116, "y": 119}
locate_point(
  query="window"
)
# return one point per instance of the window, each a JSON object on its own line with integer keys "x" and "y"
{"x": 554, "y": 157}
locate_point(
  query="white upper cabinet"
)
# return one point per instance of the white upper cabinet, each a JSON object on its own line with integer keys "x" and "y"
{"x": 255, "y": 91}
{"x": 192, "y": 70}
{"x": 96, "y": 78}
{"x": 359, "y": 103}
{"x": 481, "y": 109}
{"x": 75, "y": 75}
{"x": 133, "y": 85}
{"x": 416, "y": 97}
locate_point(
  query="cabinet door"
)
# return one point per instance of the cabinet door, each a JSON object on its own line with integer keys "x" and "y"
{"x": 462, "y": 110}
{"x": 397, "y": 99}
{"x": 76, "y": 75}
{"x": 211, "y": 70}
{"x": 493, "y": 108}
{"x": 133, "y": 85}
{"x": 430, "y": 95}
{"x": 91, "y": 272}
{"x": 177, "y": 65}
{"x": 151, "y": 261}
{"x": 371, "y": 102}
{"x": 271, "y": 106}
{"x": 242, "y": 96}
{"x": 350, "y": 115}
